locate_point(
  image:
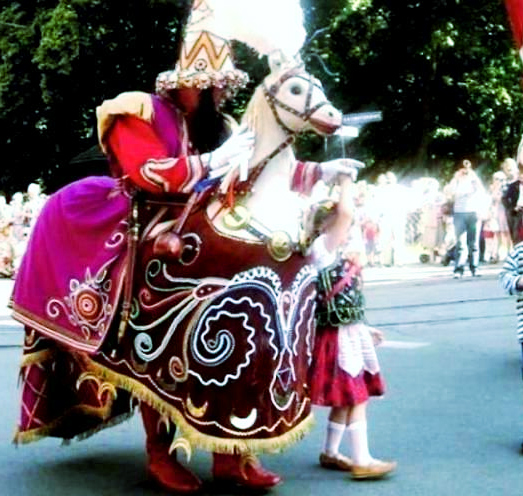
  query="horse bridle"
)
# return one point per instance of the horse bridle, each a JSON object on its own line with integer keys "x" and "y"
{"x": 275, "y": 103}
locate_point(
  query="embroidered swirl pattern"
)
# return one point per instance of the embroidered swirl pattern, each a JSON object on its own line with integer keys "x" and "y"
{"x": 87, "y": 304}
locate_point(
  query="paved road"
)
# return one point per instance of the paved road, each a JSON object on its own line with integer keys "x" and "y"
{"x": 452, "y": 416}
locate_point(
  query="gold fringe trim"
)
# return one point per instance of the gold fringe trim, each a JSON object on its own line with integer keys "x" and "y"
{"x": 105, "y": 425}
{"x": 31, "y": 436}
{"x": 37, "y": 357}
{"x": 195, "y": 437}
{"x": 26, "y": 437}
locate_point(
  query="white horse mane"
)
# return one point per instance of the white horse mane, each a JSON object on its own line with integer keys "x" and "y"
{"x": 258, "y": 113}
{"x": 257, "y": 109}
{"x": 258, "y": 116}
{"x": 269, "y": 200}
{"x": 260, "y": 119}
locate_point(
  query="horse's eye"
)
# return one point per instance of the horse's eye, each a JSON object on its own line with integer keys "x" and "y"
{"x": 296, "y": 89}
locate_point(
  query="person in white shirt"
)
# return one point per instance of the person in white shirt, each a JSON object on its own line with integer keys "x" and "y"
{"x": 468, "y": 194}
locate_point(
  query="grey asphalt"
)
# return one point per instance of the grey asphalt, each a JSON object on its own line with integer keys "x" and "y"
{"x": 452, "y": 416}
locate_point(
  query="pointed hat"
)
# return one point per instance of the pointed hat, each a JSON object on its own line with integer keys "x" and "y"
{"x": 206, "y": 58}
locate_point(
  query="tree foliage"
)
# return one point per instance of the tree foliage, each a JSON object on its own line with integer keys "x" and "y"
{"x": 444, "y": 73}
{"x": 60, "y": 59}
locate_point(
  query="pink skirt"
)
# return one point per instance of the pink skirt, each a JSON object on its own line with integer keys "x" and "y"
{"x": 329, "y": 384}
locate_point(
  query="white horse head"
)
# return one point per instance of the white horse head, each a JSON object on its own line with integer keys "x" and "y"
{"x": 289, "y": 101}
{"x": 293, "y": 100}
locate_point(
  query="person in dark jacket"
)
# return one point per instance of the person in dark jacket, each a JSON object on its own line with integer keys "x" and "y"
{"x": 513, "y": 202}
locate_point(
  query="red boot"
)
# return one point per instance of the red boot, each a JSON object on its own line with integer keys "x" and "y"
{"x": 244, "y": 470}
{"x": 162, "y": 467}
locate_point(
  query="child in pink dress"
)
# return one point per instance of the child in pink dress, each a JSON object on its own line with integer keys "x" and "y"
{"x": 345, "y": 370}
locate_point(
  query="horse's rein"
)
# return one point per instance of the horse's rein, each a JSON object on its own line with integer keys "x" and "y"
{"x": 245, "y": 186}
{"x": 275, "y": 103}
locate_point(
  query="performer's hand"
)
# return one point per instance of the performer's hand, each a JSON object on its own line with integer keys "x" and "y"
{"x": 340, "y": 167}
{"x": 236, "y": 151}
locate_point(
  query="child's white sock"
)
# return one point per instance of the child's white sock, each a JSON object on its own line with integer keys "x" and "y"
{"x": 359, "y": 442}
{"x": 333, "y": 437}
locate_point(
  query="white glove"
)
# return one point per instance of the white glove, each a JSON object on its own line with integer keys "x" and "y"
{"x": 340, "y": 166}
{"x": 235, "y": 152}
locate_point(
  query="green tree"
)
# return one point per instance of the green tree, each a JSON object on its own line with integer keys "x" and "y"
{"x": 60, "y": 59}
{"x": 444, "y": 73}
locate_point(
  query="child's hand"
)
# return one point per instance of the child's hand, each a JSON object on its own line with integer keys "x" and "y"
{"x": 377, "y": 336}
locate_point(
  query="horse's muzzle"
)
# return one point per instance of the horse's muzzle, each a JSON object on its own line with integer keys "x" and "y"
{"x": 326, "y": 120}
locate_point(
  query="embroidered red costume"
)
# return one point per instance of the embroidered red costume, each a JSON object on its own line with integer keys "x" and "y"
{"x": 203, "y": 332}
{"x": 148, "y": 299}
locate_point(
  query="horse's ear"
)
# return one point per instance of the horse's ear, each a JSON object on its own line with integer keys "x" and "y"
{"x": 298, "y": 61}
{"x": 276, "y": 60}
{"x": 279, "y": 60}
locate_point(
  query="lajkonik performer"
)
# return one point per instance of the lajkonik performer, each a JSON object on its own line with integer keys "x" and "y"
{"x": 129, "y": 293}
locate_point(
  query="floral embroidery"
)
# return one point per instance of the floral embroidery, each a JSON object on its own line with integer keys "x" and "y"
{"x": 87, "y": 304}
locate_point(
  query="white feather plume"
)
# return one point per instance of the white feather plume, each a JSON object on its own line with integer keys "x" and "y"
{"x": 265, "y": 25}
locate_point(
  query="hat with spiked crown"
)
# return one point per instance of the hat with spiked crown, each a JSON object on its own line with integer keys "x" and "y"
{"x": 206, "y": 57}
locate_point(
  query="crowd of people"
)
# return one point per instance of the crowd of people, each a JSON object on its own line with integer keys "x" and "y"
{"x": 395, "y": 222}
{"x": 428, "y": 220}
{"x": 17, "y": 218}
